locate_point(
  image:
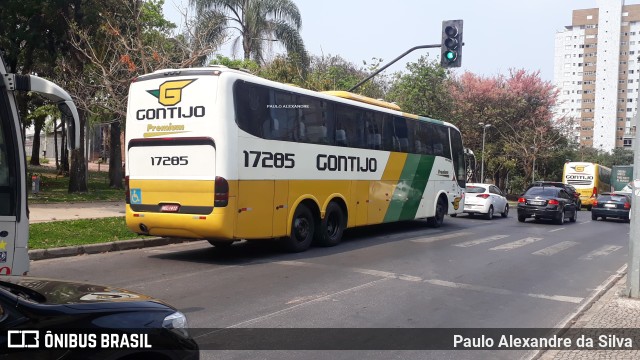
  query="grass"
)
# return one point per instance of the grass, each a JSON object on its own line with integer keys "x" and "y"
{"x": 54, "y": 188}
{"x": 79, "y": 232}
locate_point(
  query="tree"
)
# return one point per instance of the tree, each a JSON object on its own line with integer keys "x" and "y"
{"x": 423, "y": 90}
{"x": 332, "y": 72}
{"x": 259, "y": 22}
{"x": 32, "y": 37}
{"x": 519, "y": 107}
{"x": 132, "y": 39}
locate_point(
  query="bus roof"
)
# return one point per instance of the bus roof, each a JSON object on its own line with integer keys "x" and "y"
{"x": 361, "y": 98}
{"x": 345, "y": 96}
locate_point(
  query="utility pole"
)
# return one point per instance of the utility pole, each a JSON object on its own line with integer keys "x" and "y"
{"x": 633, "y": 268}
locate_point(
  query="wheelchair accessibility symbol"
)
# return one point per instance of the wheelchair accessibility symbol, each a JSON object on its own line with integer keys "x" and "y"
{"x": 136, "y": 196}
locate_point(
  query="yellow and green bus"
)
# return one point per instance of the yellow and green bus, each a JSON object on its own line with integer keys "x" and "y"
{"x": 589, "y": 179}
{"x": 219, "y": 154}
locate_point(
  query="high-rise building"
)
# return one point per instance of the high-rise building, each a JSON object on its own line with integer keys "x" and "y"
{"x": 596, "y": 69}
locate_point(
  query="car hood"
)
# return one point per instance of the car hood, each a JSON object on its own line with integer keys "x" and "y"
{"x": 49, "y": 291}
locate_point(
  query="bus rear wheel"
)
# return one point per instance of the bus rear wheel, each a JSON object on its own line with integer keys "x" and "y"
{"x": 331, "y": 227}
{"x": 302, "y": 230}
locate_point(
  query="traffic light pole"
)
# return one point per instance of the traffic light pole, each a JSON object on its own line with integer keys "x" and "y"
{"x": 392, "y": 62}
{"x": 633, "y": 267}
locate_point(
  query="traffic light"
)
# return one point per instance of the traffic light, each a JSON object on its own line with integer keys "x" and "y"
{"x": 451, "y": 46}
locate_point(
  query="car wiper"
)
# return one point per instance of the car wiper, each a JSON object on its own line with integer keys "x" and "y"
{"x": 23, "y": 292}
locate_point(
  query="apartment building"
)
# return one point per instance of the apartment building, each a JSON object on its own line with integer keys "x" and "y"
{"x": 597, "y": 71}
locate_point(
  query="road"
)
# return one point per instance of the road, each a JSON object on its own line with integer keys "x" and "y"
{"x": 469, "y": 273}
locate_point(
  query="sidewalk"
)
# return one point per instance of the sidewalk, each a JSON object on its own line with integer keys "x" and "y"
{"x": 88, "y": 210}
{"x": 609, "y": 309}
{"x": 73, "y": 211}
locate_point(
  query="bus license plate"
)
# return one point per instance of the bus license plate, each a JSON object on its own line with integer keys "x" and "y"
{"x": 169, "y": 208}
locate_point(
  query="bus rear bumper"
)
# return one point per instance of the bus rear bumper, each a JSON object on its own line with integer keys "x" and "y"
{"x": 587, "y": 202}
{"x": 217, "y": 225}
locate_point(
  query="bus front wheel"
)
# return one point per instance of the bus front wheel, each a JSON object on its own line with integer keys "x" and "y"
{"x": 302, "y": 230}
{"x": 331, "y": 227}
{"x": 438, "y": 219}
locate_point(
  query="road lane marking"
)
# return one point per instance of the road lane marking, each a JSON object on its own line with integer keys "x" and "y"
{"x": 385, "y": 275}
{"x": 603, "y": 251}
{"x": 584, "y": 222}
{"x": 558, "y": 229}
{"x": 492, "y": 290}
{"x": 554, "y": 249}
{"x": 481, "y": 241}
{"x": 291, "y": 308}
{"x": 516, "y": 244}
{"x": 377, "y": 273}
{"x": 442, "y": 237}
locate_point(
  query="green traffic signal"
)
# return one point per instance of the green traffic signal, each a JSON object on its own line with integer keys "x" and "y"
{"x": 451, "y": 46}
{"x": 450, "y": 55}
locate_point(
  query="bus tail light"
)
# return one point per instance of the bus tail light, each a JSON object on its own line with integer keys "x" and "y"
{"x": 627, "y": 206}
{"x": 484, "y": 196}
{"x": 595, "y": 192}
{"x": 221, "y": 195}
{"x": 127, "y": 194}
{"x": 554, "y": 202}
{"x": 522, "y": 200}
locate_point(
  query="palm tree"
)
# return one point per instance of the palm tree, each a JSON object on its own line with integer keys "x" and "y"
{"x": 258, "y": 22}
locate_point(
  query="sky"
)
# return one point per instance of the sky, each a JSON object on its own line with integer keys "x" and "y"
{"x": 499, "y": 35}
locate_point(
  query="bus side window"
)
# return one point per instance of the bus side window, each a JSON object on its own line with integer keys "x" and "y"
{"x": 389, "y": 139}
{"x": 376, "y": 131}
{"x": 313, "y": 120}
{"x": 402, "y": 132}
{"x": 251, "y": 108}
{"x": 422, "y": 137}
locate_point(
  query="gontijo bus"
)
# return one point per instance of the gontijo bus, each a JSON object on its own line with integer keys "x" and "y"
{"x": 589, "y": 179}
{"x": 223, "y": 155}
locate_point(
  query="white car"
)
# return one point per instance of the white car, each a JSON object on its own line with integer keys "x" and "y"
{"x": 485, "y": 199}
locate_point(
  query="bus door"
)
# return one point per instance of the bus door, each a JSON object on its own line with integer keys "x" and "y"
{"x": 363, "y": 188}
{"x": 281, "y": 212}
{"x": 8, "y": 198}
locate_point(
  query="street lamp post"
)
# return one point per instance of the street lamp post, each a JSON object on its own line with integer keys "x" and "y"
{"x": 533, "y": 170}
{"x": 484, "y": 130}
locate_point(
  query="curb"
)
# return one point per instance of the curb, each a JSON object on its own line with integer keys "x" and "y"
{"x": 568, "y": 322}
{"x": 53, "y": 253}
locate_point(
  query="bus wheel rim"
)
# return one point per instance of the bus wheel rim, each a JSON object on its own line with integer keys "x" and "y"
{"x": 332, "y": 225}
{"x": 301, "y": 228}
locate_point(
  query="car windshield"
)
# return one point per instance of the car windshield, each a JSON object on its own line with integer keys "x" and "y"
{"x": 542, "y": 191}
{"x": 24, "y": 292}
{"x": 475, "y": 189}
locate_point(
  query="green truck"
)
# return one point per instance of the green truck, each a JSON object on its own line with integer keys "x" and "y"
{"x": 621, "y": 175}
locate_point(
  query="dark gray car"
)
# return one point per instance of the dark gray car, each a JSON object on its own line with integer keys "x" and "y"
{"x": 547, "y": 202}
